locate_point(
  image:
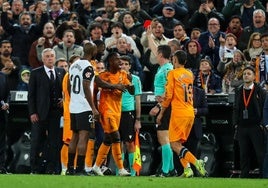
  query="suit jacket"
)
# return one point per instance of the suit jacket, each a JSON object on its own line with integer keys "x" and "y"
{"x": 39, "y": 91}
{"x": 200, "y": 102}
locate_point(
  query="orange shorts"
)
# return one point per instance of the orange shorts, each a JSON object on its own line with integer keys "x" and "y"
{"x": 110, "y": 123}
{"x": 180, "y": 128}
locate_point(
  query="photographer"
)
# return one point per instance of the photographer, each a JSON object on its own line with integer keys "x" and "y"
{"x": 243, "y": 8}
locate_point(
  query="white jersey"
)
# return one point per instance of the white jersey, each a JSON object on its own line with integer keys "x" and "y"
{"x": 80, "y": 70}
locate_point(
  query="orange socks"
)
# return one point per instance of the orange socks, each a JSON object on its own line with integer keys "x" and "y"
{"x": 90, "y": 153}
{"x": 117, "y": 155}
{"x": 102, "y": 154}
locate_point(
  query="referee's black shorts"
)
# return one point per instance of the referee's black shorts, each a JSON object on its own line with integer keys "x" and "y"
{"x": 165, "y": 120}
{"x": 126, "y": 128}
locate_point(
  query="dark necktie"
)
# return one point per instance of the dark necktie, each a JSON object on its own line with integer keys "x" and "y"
{"x": 52, "y": 78}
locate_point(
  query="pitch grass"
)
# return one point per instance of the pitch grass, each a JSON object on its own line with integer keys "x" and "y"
{"x": 51, "y": 181}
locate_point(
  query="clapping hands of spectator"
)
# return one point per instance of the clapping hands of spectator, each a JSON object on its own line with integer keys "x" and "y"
{"x": 211, "y": 42}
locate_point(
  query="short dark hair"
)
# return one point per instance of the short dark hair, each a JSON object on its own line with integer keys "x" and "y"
{"x": 249, "y": 68}
{"x": 4, "y": 42}
{"x": 264, "y": 35}
{"x": 181, "y": 56}
{"x": 165, "y": 50}
{"x": 126, "y": 58}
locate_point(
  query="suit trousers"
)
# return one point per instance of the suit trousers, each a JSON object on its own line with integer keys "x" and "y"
{"x": 45, "y": 143}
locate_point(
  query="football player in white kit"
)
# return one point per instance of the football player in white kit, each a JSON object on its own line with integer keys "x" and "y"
{"x": 83, "y": 111}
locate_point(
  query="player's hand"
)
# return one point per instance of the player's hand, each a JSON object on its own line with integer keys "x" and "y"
{"x": 159, "y": 118}
{"x": 154, "y": 111}
{"x": 120, "y": 87}
{"x": 96, "y": 114}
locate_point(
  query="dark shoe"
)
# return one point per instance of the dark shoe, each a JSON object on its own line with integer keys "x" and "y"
{"x": 70, "y": 172}
{"x": 3, "y": 170}
{"x": 173, "y": 173}
{"x": 162, "y": 174}
{"x": 82, "y": 173}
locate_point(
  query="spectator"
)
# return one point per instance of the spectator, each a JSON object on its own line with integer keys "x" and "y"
{"x": 48, "y": 40}
{"x": 133, "y": 28}
{"x": 87, "y": 12}
{"x": 235, "y": 26}
{"x": 95, "y": 32}
{"x": 26, "y": 32}
{"x": 122, "y": 48}
{"x": 147, "y": 5}
{"x": 227, "y": 46}
{"x": 117, "y": 30}
{"x": 68, "y": 6}
{"x": 105, "y": 24}
{"x": 56, "y": 13}
{"x": 180, "y": 8}
{"x": 72, "y": 23}
{"x": 9, "y": 64}
{"x": 202, "y": 16}
{"x": 37, "y": 11}
{"x": 232, "y": 71}
{"x": 193, "y": 50}
{"x": 17, "y": 7}
{"x": 261, "y": 61}
{"x": 67, "y": 47}
{"x": 175, "y": 45}
{"x": 100, "y": 49}
{"x": 248, "y": 118}
{"x": 4, "y": 96}
{"x": 130, "y": 121}
{"x": 180, "y": 34}
{"x": 209, "y": 41}
{"x": 168, "y": 20}
{"x": 45, "y": 110}
{"x": 206, "y": 78}
{"x": 109, "y": 9}
{"x": 137, "y": 11}
{"x": 195, "y": 33}
{"x": 244, "y": 9}
{"x": 259, "y": 25}
{"x": 24, "y": 79}
{"x": 254, "y": 48}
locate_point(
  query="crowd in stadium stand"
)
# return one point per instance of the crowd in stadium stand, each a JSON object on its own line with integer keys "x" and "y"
{"x": 220, "y": 37}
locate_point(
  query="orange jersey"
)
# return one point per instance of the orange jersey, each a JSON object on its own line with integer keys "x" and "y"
{"x": 110, "y": 100}
{"x": 67, "y": 133}
{"x": 179, "y": 92}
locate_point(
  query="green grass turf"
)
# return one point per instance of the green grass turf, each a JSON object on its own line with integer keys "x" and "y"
{"x": 53, "y": 181}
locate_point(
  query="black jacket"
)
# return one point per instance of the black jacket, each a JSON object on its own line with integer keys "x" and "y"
{"x": 39, "y": 91}
{"x": 257, "y": 102}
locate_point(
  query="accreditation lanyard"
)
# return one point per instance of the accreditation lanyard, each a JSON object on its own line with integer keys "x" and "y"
{"x": 204, "y": 84}
{"x": 246, "y": 102}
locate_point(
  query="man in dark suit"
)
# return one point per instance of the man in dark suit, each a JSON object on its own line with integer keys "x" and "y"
{"x": 45, "y": 110}
{"x": 4, "y": 94}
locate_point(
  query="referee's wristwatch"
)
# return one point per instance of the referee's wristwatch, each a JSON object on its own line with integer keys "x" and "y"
{"x": 138, "y": 118}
